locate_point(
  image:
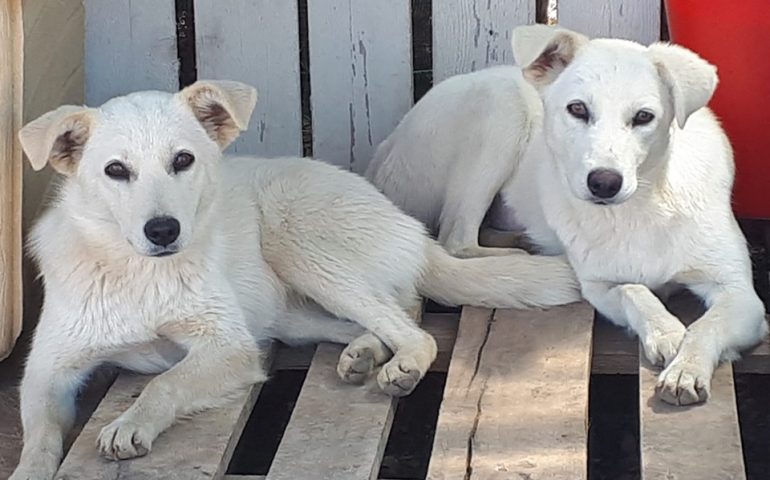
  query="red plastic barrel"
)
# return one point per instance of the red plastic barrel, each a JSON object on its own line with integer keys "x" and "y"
{"x": 734, "y": 35}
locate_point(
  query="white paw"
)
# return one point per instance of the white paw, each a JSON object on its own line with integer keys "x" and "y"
{"x": 38, "y": 470}
{"x": 684, "y": 383}
{"x": 399, "y": 376}
{"x": 123, "y": 439}
{"x": 356, "y": 363}
{"x": 660, "y": 347}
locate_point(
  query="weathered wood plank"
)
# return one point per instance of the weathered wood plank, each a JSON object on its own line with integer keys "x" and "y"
{"x": 337, "y": 430}
{"x": 669, "y": 447}
{"x": 469, "y": 35}
{"x": 360, "y": 76}
{"x": 256, "y": 42}
{"x": 129, "y": 46}
{"x": 516, "y": 398}
{"x": 637, "y": 20}
{"x": 11, "y": 75}
{"x": 615, "y": 351}
{"x": 701, "y": 442}
{"x": 189, "y": 450}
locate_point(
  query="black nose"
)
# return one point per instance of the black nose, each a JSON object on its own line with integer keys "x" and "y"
{"x": 604, "y": 182}
{"x": 162, "y": 230}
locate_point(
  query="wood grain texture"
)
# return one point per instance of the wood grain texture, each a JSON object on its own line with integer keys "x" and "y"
{"x": 129, "y": 46}
{"x": 360, "y": 76}
{"x": 470, "y": 35}
{"x": 336, "y": 430}
{"x": 197, "y": 449}
{"x": 256, "y": 42}
{"x": 516, "y": 399}
{"x": 697, "y": 442}
{"x": 701, "y": 442}
{"x": 637, "y": 20}
{"x": 11, "y": 77}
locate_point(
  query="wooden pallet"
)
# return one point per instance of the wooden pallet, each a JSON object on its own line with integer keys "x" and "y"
{"x": 515, "y": 406}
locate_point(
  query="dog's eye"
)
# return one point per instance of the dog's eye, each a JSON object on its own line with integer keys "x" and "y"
{"x": 578, "y": 110}
{"x": 117, "y": 171}
{"x": 183, "y": 161}
{"x": 642, "y": 117}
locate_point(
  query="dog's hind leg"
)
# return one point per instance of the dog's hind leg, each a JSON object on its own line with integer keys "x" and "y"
{"x": 383, "y": 316}
{"x": 309, "y": 323}
{"x": 469, "y": 195}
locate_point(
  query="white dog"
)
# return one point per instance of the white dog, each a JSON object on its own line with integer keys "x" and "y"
{"x": 602, "y": 149}
{"x": 158, "y": 257}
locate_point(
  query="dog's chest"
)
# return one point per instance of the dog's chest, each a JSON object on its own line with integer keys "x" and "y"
{"x": 126, "y": 305}
{"x": 620, "y": 246}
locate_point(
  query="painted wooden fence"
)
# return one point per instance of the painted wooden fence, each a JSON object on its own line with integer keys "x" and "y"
{"x": 359, "y": 57}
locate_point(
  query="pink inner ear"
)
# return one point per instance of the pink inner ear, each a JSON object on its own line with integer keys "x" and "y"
{"x": 548, "y": 60}
{"x": 68, "y": 148}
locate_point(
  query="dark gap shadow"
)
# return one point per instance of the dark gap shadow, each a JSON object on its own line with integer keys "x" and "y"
{"x": 753, "y": 398}
{"x": 264, "y": 429}
{"x": 613, "y": 433}
{"x": 411, "y": 438}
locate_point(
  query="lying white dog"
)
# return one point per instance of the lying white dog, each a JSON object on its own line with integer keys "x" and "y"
{"x": 158, "y": 256}
{"x": 602, "y": 149}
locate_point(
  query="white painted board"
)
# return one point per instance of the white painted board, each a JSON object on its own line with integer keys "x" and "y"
{"x": 360, "y": 76}
{"x": 256, "y": 42}
{"x": 470, "y": 35}
{"x": 129, "y": 46}
{"x": 637, "y": 20}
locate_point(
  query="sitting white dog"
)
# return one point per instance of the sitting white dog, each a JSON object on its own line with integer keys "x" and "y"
{"x": 160, "y": 257}
{"x": 602, "y": 149}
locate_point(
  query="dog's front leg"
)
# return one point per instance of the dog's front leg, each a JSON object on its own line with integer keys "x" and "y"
{"x": 221, "y": 361}
{"x": 735, "y": 320}
{"x": 636, "y": 307}
{"x": 55, "y": 371}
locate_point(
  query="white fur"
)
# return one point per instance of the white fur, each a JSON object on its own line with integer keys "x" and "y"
{"x": 288, "y": 248}
{"x": 507, "y": 129}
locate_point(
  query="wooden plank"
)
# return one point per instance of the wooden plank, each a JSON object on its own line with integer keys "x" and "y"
{"x": 129, "y": 46}
{"x": 516, "y": 399}
{"x": 256, "y": 42}
{"x": 442, "y": 326}
{"x": 470, "y": 35}
{"x": 11, "y": 75}
{"x": 336, "y": 430}
{"x": 189, "y": 450}
{"x": 360, "y": 76}
{"x": 669, "y": 447}
{"x": 637, "y": 20}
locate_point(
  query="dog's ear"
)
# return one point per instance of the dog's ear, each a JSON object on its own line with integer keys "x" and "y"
{"x": 543, "y": 52}
{"x": 222, "y": 107}
{"x": 58, "y": 138}
{"x": 691, "y": 80}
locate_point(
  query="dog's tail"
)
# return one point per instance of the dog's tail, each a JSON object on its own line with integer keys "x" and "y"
{"x": 512, "y": 281}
